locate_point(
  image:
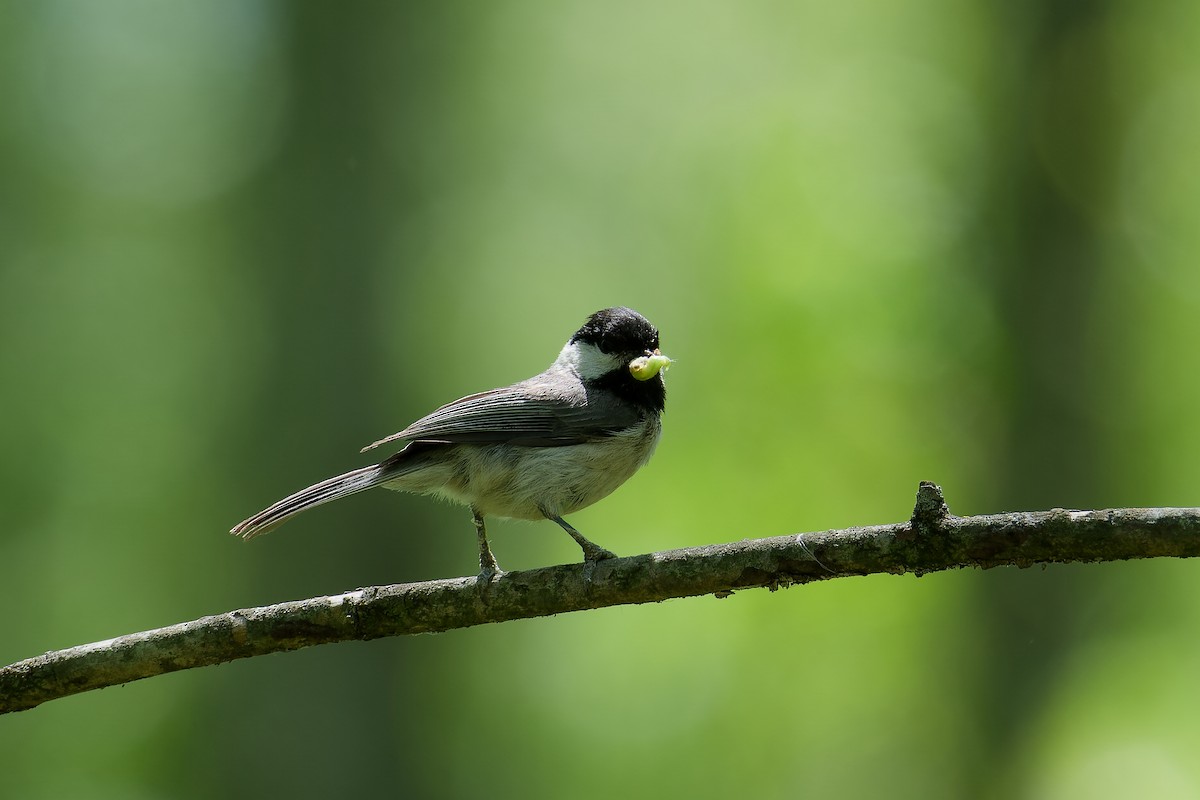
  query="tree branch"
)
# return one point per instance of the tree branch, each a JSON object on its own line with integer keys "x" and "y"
{"x": 932, "y": 540}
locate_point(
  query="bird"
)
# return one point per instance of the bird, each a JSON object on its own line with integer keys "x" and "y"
{"x": 541, "y": 448}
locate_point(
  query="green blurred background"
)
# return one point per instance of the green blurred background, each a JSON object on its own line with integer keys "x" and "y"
{"x": 943, "y": 240}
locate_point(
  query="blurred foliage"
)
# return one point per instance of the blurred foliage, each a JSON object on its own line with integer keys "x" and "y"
{"x": 884, "y": 242}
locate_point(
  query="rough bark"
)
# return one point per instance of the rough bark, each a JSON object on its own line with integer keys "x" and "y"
{"x": 931, "y": 540}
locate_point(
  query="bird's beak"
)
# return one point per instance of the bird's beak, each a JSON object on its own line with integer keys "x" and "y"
{"x": 646, "y": 367}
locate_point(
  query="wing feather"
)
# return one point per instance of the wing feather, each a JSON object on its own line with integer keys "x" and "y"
{"x": 524, "y": 414}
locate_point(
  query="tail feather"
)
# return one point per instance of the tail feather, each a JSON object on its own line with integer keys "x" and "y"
{"x": 330, "y": 489}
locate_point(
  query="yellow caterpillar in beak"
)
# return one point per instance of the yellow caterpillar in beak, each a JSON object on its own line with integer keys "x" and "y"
{"x": 646, "y": 367}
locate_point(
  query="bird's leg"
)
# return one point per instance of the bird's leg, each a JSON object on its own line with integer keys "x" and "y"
{"x": 488, "y": 568}
{"x": 591, "y": 550}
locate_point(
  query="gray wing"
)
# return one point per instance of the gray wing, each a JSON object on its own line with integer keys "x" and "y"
{"x": 526, "y": 414}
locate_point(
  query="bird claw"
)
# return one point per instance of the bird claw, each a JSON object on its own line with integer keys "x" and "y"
{"x": 485, "y": 579}
{"x": 489, "y": 574}
{"x": 597, "y": 553}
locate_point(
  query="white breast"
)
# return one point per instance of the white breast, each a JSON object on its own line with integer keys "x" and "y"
{"x": 535, "y": 482}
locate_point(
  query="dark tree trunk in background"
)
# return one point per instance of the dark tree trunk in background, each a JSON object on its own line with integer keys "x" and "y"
{"x": 326, "y": 225}
{"x": 1050, "y": 182}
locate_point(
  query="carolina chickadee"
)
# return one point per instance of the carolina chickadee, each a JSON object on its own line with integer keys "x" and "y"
{"x": 538, "y": 449}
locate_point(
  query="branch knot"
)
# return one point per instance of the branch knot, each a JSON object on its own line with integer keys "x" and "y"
{"x": 931, "y": 509}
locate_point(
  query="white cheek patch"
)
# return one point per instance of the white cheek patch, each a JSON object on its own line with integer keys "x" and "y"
{"x": 587, "y": 361}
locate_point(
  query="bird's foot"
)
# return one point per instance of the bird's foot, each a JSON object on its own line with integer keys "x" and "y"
{"x": 489, "y": 570}
{"x": 593, "y": 552}
{"x": 488, "y": 574}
